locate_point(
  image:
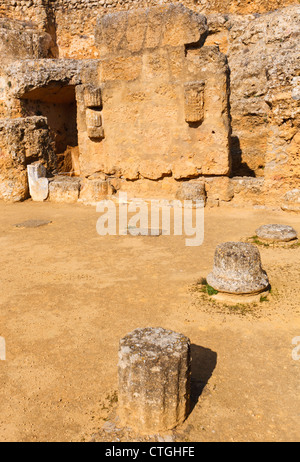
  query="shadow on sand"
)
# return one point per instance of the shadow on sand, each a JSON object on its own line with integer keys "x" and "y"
{"x": 204, "y": 362}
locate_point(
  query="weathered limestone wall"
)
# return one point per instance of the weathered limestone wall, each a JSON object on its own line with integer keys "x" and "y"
{"x": 72, "y": 22}
{"x": 38, "y": 103}
{"x": 22, "y": 141}
{"x": 19, "y": 39}
{"x": 39, "y": 12}
{"x": 263, "y": 56}
{"x": 25, "y": 10}
{"x": 150, "y": 83}
{"x": 40, "y": 80}
{"x": 145, "y": 96}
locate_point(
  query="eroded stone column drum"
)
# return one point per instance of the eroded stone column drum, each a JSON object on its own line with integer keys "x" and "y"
{"x": 237, "y": 269}
{"x": 276, "y": 232}
{"x": 154, "y": 379}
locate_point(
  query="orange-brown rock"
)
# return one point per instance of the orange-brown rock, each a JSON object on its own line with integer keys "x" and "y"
{"x": 156, "y": 95}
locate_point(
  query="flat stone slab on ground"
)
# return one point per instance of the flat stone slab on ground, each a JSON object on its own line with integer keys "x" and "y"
{"x": 241, "y": 299}
{"x": 276, "y": 232}
{"x": 33, "y": 223}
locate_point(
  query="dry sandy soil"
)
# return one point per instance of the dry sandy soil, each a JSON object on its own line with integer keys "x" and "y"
{"x": 68, "y": 296}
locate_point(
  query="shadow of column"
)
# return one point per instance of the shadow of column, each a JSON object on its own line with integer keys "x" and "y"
{"x": 204, "y": 362}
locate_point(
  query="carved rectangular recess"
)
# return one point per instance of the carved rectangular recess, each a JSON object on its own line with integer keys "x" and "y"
{"x": 92, "y": 97}
{"x": 194, "y": 101}
{"x": 94, "y": 123}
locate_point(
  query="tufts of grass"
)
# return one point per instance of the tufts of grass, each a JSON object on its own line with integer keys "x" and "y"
{"x": 203, "y": 286}
{"x": 210, "y": 290}
{"x": 264, "y": 298}
{"x": 295, "y": 245}
{"x": 255, "y": 240}
{"x": 240, "y": 309}
{"x": 258, "y": 242}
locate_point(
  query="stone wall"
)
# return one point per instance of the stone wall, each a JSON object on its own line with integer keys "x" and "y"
{"x": 19, "y": 40}
{"x": 35, "y": 8}
{"x": 71, "y": 22}
{"x": 22, "y": 141}
{"x": 164, "y": 107}
{"x": 263, "y": 56}
{"x": 149, "y": 93}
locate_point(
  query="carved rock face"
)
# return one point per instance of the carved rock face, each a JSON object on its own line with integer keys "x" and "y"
{"x": 237, "y": 269}
{"x": 275, "y": 232}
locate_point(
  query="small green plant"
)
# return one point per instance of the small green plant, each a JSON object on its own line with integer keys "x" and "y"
{"x": 255, "y": 240}
{"x": 239, "y": 308}
{"x": 210, "y": 290}
{"x": 264, "y": 298}
{"x": 258, "y": 242}
{"x": 296, "y": 244}
{"x": 112, "y": 398}
{"x": 204, "y": 287}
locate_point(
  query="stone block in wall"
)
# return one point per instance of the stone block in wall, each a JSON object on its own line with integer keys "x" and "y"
{"x": 219, "y": 189}
{"x": 95, "y": 190}
{"x": 185, "y": 169}
{"x": 120, "y": 68}
{"x": 26, "y": 140}
{"x": 35, "y": 79}
{"x": 149, "y": 116}
{"x": 22, "y": 40}
{"x": 64, "y": 189}
{"x": 248, "y": 190}
{"x": 291, "y": 201}
{"x": 37, "y": 181}
{"x": 132, "y": 31}
{"x": 191, "y": 190}
{"x": 13, "y": 184}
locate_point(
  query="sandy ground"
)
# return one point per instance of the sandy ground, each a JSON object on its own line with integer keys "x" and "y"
{"x": 68, "y": 296}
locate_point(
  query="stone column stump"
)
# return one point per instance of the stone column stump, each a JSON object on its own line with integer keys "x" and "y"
{"x": 154, "y": 379}
{"x": 276, "y": 233}
{"x": 237, "y": 271}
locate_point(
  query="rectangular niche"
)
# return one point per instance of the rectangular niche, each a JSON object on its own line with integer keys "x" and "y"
{"x": 94, "y": 123}
{"x": 194, "y": 102}
{"x": 92, "y": 97}
{"x": 93, "y": 106}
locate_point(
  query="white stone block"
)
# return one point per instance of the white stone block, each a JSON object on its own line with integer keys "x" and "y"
{"x": 37, "y": 181}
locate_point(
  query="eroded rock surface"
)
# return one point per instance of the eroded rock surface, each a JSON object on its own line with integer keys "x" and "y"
{"x": 207, "y": 91}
